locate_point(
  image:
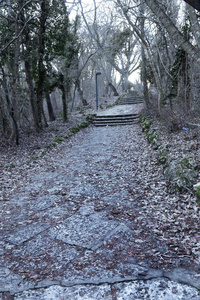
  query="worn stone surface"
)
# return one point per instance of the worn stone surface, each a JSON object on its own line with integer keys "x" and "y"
{"x": 96, "y": 222}
{"x": 71, "y": 293}
{"x": 13, "y": 283}
{"x": 84, "y": 231}
{"x": 155, "y": 289}
{"x": 23, "y": 233}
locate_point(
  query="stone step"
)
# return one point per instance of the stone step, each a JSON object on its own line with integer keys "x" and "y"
{"x": 129, "y": 102}
{"x": 135, "y": 100}
{"x": 100, "y": 117}
{"x": 114, "y": 124}
{"x": 115, "y": 120}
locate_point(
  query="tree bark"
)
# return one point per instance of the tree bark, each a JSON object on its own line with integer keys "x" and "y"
{"x": 29, "y": 75}
{"x": 84, "y": 102}
{"x": 64, "y": 102}
{"x": 113, "y": 88}
{"x": 15, "y": 83}
{"x": 41, "y": 67}
{"x": 29, "y": 80}
{"x": 14, "y": 132}
{"x": 144, "y": 65}
{"x": 50, "y": 108}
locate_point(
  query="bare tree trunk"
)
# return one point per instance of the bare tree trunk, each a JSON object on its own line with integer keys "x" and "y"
{"x": 113, "y": 88}
{"x": 50, "y": 108}
{"x": 84, "y": 102}
{"x": 150, "y": 56}
{"x": 64, "y": 100}
{"x": 144, "y": 65}
{"x": 6, "y": 120}
{"x": 15, "y": 83}
{"x": 10, "y": 116}
{"x": 64, "y": 103}
{"x": 173, "y": 31}
{"x": 44, "y": 118}
{"x": 32, "y": 95}
{"x": 41, "y": 67}
{"x": 29, "y": 76}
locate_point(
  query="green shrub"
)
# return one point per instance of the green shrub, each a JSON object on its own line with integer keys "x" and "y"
{"x": 162, "y": 159}
{"x": 59, "y": 139}
{"x": 76, "y": 129}
{"x": 146, "y": 124}
{"x": 90, "y": 118}
{"x": 198, "y": 195}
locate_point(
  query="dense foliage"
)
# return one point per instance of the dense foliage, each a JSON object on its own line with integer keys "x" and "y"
{"x": 35, "y": 40}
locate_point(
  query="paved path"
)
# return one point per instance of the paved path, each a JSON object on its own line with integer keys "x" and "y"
{"x": 121, "y": 110}
{"x": 74, "y": 231}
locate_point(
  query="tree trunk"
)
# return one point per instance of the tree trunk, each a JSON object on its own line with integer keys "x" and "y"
{"x": 150, "y": 56}
{"x": 144, "y": 65}
{"x": 64, "y": 103}
{"x": 41, "y": 67}
{"x": 50, "y": 108}
{"x": 44, "y": 118}
{"x": 113, "y": 88}
{"x": 15, "y": 82}
{"x": 5, "y": 117}
{"x": 14, "y": 132}
{"x": 84, "y": 102}
{"x": 32, "y": 95}
{"x": 173, "y": 31}
{"x": 29, "y": 76}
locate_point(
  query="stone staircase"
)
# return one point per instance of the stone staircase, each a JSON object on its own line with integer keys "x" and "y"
{"x": 115, "y": 120}
{"x": 122, "y": 113}
{"x": 131, "y": 98}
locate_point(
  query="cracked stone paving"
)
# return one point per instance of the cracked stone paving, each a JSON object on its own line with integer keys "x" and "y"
{"x": 91, "y": 223}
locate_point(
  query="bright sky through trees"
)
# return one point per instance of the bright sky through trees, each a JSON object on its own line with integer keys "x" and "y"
{"x": 104, "y": 9}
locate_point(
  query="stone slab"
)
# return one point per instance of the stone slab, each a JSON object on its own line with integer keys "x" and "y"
{"x": 69, "y": 293}
{"x": 155, "y": 289}
{"x": 39, "y": 246}
{"x": 84, "y": 189}
{"x": 24, "y": 233}
{"x": 184, "y": 276}
{"x": 84, "y": 231}
{"x": 12, "y": 282}
{"x": 43, "y": 202}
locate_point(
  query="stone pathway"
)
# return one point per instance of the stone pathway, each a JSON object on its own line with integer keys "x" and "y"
{"x": 121, "y": 110}
{"x": 70, "y": 232}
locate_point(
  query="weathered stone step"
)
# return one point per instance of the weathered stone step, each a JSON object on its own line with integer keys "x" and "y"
{"x": 114, "y": 117}
{"x": 129, "y": 102}
{"x": 115, "y": 123}
{"x": 135, "y": 100}
{"x": 114, "y": 120}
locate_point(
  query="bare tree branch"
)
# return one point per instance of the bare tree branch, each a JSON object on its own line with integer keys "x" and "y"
{"x": 173, "y": 31}
{"x": 15, "y": 38}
